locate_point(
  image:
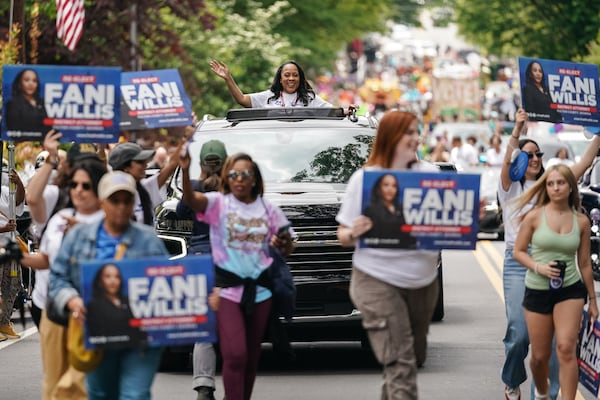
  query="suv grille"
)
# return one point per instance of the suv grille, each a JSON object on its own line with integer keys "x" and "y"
{"x": 321, "y": 267}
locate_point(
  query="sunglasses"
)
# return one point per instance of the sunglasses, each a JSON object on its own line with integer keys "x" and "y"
{"x": 84, "y": 185}
{"x": 245, "y": 174}
{"x": 538, "y": 154}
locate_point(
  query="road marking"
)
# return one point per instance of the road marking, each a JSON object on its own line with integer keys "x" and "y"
{"x": 492, "y": 272}
{"x": 485, "y": 252}
{"x": 24, "y": 334}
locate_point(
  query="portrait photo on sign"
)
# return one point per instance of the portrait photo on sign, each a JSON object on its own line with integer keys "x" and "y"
{"x": 24, "y": 109}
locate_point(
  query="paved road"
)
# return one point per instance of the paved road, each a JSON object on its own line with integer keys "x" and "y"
{"x": 464, "y": 360}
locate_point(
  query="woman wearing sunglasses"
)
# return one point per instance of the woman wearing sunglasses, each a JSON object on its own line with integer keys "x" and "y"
{"x": 59, "y": 378}
{"x": 516, "y": 339}
{"x": 242, "y": 226}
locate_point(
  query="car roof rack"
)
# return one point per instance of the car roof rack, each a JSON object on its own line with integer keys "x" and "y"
{"x": 292, "y": 113}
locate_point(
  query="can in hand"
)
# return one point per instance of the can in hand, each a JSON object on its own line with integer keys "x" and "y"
{"x": 556, "y": 283}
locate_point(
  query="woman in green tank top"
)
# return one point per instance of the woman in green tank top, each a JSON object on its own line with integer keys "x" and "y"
{"x": 558, "y": 236}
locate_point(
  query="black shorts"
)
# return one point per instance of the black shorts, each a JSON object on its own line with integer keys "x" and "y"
{"x": 543, "y": 301}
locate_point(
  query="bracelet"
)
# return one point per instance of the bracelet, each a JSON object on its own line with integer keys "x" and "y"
{"x": 515, "y": 137}
{"x": 351, "y": 237}
{"x": 535, "y": 269}
{"x": 54, "y": 164}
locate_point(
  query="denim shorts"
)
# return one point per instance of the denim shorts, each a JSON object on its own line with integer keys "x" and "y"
{"x": 543, "y": 301}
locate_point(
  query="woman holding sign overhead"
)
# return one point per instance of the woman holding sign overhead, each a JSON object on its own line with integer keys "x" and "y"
{"x": 394, "y": 289}
{"x": 558, "y": 237}
{"x": 511, "y": 186}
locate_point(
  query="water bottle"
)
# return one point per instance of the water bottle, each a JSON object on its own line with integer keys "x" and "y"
{"x": 556, "y": 283}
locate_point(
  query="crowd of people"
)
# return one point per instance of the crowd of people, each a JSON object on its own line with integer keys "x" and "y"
{"x": 96, "y": 203}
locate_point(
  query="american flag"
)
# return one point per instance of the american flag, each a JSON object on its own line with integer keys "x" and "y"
{"x": 70, "y": 15}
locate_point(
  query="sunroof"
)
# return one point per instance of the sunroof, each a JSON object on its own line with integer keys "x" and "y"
{"x": 295, "y": 113}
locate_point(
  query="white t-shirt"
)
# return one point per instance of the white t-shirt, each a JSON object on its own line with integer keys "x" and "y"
{"x": 464, "y": 156}
{"x": 50, "y": 244}
{"x": 260, "y": 99}
{"x": 556, "y": 160}
{"x": 409, "y": 269}
{"x": 50, "y": 196}
{"x": 510, "y": 215}
{"x": 493, "y": 158}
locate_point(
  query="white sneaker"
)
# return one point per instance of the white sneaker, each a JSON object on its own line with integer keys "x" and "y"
{"x": 539, "y": 396}
{"x": 512, "y": 393}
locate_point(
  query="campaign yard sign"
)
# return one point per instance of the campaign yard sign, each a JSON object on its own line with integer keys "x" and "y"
{"x": 154, "y": 99}
{"x": 589, "y": 355}
{"x": 81, "y": 102}
{"x": 152, "y": 301}
{"x": 560, "y": 91}
{"x": 417, "y": 210}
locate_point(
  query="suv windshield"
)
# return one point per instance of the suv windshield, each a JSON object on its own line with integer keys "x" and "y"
{"x": 292, "y": 150}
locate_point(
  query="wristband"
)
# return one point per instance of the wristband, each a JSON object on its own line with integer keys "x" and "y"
{"x": 54, "y": 164}
{"x": 535, "y": 269}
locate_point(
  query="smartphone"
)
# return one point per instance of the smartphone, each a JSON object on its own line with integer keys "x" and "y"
{"x": 284, "y": 229}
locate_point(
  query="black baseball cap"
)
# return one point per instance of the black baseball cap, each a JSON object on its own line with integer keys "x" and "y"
{"x": 126, "y": 152}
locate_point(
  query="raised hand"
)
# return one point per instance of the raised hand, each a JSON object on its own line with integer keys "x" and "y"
{"x": 220, "y": 68}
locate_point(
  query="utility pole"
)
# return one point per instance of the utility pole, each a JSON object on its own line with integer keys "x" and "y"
{"x": 135, "y": 59}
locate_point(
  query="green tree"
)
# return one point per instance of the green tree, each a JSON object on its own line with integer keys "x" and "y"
{"x": 247, "y": 43}
{"x": 324, "y": 27}
{"x": 559, "y": 30}
{"x": 106, "y": 33}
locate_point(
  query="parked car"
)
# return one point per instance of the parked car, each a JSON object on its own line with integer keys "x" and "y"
{"x": 306, "y": 157}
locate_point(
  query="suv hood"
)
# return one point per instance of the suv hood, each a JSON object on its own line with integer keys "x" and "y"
{"x": 303, "y": 193}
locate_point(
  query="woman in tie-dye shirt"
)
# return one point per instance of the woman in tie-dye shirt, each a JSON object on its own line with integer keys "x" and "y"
{"x": 242, "y": 225}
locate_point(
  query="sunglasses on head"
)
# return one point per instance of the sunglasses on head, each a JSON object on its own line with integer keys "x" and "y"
{"x": 538, "y": 154}
{"x": 245, "y": 174}
{"x": 84, "y": 185}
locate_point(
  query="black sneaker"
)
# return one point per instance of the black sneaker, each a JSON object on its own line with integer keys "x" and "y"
{"x": 205, "y": 393}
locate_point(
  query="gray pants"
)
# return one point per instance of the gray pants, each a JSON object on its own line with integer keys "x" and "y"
{"x": 204, "y": 362}
{"x": 397, "y": 322}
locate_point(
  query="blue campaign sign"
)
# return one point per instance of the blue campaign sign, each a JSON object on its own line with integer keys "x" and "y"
{"x": 414, "y": 210}
{"x": 81, "y": 102}
{"x": 154, "y": 99}
{"x": 560, "y": 91}
{"x": 589, "y": 354}
{"x": 153, "y": 301}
